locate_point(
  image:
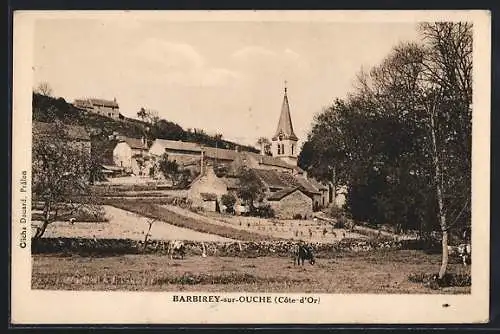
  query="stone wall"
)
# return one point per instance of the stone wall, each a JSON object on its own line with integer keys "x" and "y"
{"x": 291, "y": 205}
{"x": 108, "y": 247}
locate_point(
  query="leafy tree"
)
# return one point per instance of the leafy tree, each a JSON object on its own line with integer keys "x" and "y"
{"x": 265, "y": 145}
{"x": 228, "y": 200}
{"x": 251, "y": 188}
{"x": 148, "y": 115}
{"x": 167, "y": 130}
{"x": 61, "y": 175}
{"x": 142, "y": 114}
{"x": 180, "y": 177}
{"x": 401, "y": 141}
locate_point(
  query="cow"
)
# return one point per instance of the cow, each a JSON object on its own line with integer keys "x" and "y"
{"x": 178, "y": 247}
{"x": 302, "y": 253}
{"x": 464, "y": 252}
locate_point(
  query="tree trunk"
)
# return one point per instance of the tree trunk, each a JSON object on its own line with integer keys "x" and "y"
{"x": 334, "y": 179}
{"x": 439, "y": 196}
{"x": 46, "y": 220}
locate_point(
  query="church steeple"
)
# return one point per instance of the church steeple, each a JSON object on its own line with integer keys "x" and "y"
{"x": 285, "y": 127}
{"x": 284, "y": 144}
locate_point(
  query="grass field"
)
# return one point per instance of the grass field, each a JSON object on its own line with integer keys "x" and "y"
{"x": 373, "y": 272}
{"x": 185, "y": 219}
{"x": 124, "y": 224}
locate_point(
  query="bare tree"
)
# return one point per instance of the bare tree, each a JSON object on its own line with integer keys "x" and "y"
{"x": 44, "y": 88}
{"x": 148, "y": 234}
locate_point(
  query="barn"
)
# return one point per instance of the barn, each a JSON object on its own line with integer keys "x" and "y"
{"x": 290, "y": 203}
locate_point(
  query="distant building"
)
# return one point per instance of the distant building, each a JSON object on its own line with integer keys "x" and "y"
{"x": 206, "y": 190}
{"x": 132, "y": 155}
{"x": 278, "y": 181}
{"x": 184, "y": 153}
{"x": 101, "y": 107}
{"x": 75, "y": 135}
{"x": 291, "y": 203}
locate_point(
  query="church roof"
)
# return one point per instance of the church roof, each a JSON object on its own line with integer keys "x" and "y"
{"x": 285, "y": 126}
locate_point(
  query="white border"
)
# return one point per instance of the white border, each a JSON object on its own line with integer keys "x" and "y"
{"x": 68, "y": 307}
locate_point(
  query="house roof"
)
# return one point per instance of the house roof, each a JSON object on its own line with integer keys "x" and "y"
{"x": 317, "y": 185}
{"x": 208, "y": 196}
{"x": 71, "y": 132}
{"x": 112, "y": 168}
{"x": 271, "y": 178}
{"x": 285, "y": 127}
{"x": 271, "y": 161}
{"x": 219, "y": 153}
{"x": 82, "y": 103}
{"x": 103, "y": 103}
{"x": 299, "y": 182}
{"x": 135, "y": 143}
{"x": 178, "y": 145}
{"x": 283, "y": 180}
{"x": 278, "y": 195}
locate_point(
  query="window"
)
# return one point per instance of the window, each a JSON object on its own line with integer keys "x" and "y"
{"x": 292, "y": 149}
{"x": 282, "y": 149}
{"x": 279, "y": 149}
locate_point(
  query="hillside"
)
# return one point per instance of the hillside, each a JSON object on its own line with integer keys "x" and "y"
{"x": 48, "y": 109}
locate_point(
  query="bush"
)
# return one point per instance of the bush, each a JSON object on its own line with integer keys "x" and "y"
{"x": 297, "y": 216}
{"x": 228, "y": 200}
{"x": 449, "y": 280}
{"x": 263, "y": 211}
{"x": 335, "y": 212}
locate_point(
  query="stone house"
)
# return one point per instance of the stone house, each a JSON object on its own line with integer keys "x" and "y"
{"x": 291, "y": 203}
{"x": 206, "y": 190}
{"x": 101, "y": 107}
{"x": 184, "y": 153}
{"x": 132, "y": 155}
{"x": 275, "y": 181}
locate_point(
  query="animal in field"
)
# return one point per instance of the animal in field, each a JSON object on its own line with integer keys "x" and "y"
{"x": 302, "y": 253}
{"x": 177, "y": 247}
{"x": 464, "y": 252}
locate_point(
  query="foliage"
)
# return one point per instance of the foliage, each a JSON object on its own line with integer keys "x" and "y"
{"x": 401, "y": 142}
{"x": 263, "y": 211}
{"x": 228, "y": 200}
{"x": 49, "y": 109}
{"x": 61, "y": 171}
{"x": 264, "y": 144}
{"x": 251, "y": 188}
{"x": 169, "y": 169}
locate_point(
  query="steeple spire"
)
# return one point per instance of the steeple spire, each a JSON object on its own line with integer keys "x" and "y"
{"x": 285, "y": 127}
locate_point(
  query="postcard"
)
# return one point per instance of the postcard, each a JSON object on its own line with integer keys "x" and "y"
{"x": 257, "y": 167}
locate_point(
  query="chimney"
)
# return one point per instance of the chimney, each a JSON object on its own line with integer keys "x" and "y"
{"x": 114, "y": 99}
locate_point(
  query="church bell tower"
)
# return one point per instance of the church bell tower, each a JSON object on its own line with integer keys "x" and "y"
{"x": 284, "y": 141}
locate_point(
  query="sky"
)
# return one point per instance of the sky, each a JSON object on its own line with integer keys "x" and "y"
{"x": 223, "y": 77}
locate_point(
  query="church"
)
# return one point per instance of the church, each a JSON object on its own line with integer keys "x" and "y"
{"x": 288, "y": 189}
{"x": 284, "y": 141}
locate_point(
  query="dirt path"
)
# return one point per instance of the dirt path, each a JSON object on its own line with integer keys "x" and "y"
{"x": 125, "y": 224}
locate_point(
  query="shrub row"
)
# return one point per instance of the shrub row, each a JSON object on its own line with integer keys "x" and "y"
{"x": 108, "y": 247}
